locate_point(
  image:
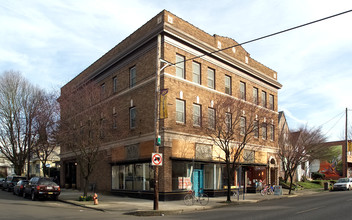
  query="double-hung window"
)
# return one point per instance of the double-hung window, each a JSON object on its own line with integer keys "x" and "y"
{"x": 114, "y": 84}
{"x": 271, "y": 102}
{"x": 255, "y": 95}
{"x": 211, "y": 78}
{"x": 242, "y": 126}
{"x": 228, "y": 84}
{"x": 243, "y": 90}
{"x": 272, "y": 132}
{"x": 196, "y": 73}
{"x": 132, "y": 117}
{"x": 197, "y": 115}
{"x": 264, "y": 99}
{"x": 180, "y": 66}
{"x": 180, "y": 111}
{"x": 256, "y": 129}
{"x": 264, "y": 131}
{"x": 228, "y": 121}
{"x": 133, "y": 77}
{"x": 211, "y": 118}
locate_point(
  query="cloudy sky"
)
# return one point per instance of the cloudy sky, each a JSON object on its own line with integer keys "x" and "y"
{"x": 51, "y": 42}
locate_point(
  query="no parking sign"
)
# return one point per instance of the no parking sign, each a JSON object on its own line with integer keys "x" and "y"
{"x": 157, "y": 159}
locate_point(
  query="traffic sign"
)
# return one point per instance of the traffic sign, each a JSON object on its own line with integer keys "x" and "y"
{"x": 157, "y": 159}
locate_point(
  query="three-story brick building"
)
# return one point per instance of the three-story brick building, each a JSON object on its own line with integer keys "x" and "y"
{"x": 191, "y": 87}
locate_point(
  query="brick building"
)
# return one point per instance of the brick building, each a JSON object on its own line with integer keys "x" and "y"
{"x": 126, "y": 76}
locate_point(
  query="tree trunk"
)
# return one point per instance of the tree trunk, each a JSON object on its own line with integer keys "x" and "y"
{"x": 228, "y": 199}
{"x": 85, "y": 190}
{"x": 291, "y": 184}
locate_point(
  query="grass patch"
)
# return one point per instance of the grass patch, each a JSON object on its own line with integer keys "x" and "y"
{"x": 310, "y": 185}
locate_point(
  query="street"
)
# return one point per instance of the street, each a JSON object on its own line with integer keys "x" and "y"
{"x": 328, "y": 205}
{"x": 14, "y": 207}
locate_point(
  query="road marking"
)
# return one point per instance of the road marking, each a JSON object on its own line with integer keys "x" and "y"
{"x": 308, "y": 210}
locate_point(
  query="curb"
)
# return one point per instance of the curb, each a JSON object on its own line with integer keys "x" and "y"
{"x": 81, "y": 205}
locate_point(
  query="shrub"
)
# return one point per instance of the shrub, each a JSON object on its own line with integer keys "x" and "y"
{"x": 85, "y": 198}
{"x": 317, "y": 176}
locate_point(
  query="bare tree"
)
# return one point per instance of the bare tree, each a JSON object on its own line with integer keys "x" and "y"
{"x": 46, "y": 127}
{"x": 297, "y": 147}
{"x": 231, "y": 126}
{"x": 82, "y": 127}
{"x": 18, "y": 108}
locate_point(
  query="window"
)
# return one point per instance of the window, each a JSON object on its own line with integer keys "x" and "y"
{"x": 211, "y": 118}
{"x": 114, "y": 84}
{"x": 255, "y": 95}
{"x": 228, "y": 84}
{"x": 263, "y": 99}
{"x": 228, "y": 121}
{"x": 180, "y": 111}
{"x": 264, "y": 132}
{"x": 132, "y": 117}
{"x": 114, "y": 123}
{"x": 272, "y": 132}
{"x": 180, "y": 66}
{"x": 133, "y": 77}
{"x": 271, "y": 102}
{"x": 211, "y": 78}
{"x": 197, "y": 112}
{"x": 102, "y": 90}
{"x": 243, "y": 90}
{"x": 196, "y": 73}
{"x": 256, "y": 129}
{"x": 242, "y": 125}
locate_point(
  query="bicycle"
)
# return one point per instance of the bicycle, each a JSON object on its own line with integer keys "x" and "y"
{"x": 191, "y": 198}
{"x": 268, "y": 190}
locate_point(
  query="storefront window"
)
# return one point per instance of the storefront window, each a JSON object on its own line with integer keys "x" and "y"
{"x": 133, "y": 176}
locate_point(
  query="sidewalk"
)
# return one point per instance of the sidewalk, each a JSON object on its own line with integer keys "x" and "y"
{"x": 143, "y": 207}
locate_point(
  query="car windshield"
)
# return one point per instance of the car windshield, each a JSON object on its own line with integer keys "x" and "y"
{"x": 47, "y": 182}
{"x": 16, "y": 179}
{"x": 344, "y": 180}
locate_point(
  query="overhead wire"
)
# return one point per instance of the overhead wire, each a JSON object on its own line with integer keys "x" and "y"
{"x": 266, "y": 36}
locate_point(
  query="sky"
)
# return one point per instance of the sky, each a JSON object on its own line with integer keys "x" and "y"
{"x": 50, "y": 42}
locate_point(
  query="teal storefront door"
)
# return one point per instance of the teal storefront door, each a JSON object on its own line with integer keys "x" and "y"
{"x": 198, "y": 183}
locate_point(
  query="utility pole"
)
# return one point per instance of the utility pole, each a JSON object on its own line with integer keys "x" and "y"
{"x": 157, "y": 125}
{"x": 346, "y": 148}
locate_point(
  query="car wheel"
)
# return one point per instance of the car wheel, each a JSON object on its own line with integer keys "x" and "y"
{"x": 33, "y": 197}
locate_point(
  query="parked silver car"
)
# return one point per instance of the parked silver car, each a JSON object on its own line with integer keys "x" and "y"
{"x": 343, "y": 184}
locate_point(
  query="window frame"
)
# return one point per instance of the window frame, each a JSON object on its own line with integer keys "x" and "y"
{"x": 264, "y": 131}
{"x": 211, "y": 120}
{"x": 272, "y": 132}
{"x": 271, "y": 102}
{"x": 228, "y": 78}
{"x": 180, "y": 65}
{"x": 255, "y": 95}
{"x": 211, "y": 81}
{"x": 114, "y": 84}
{"x": 183, "y": 113}
{"x": 242, "y": 125}
{"x": 198, "y": 75}
{"x": 228, "y": 121}
{"x": 133, "y": 116}
{"x": 256, "y": 129}
{"x": 242, "y": 90}
{"x": 199, "y": 116}
{"x": 264, "y": 101}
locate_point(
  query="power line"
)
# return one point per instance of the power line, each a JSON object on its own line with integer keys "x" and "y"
{"x": 266, "y": 36}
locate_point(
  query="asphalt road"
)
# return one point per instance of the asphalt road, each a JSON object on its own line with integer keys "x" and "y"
{"x": 327, "y": 205}
{"x": 13, "y": 207}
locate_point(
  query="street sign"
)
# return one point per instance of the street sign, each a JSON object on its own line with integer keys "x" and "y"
{"x": 157, "y": 159}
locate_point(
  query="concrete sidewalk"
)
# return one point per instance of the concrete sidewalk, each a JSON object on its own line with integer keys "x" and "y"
{"x": 144, "y": 207}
